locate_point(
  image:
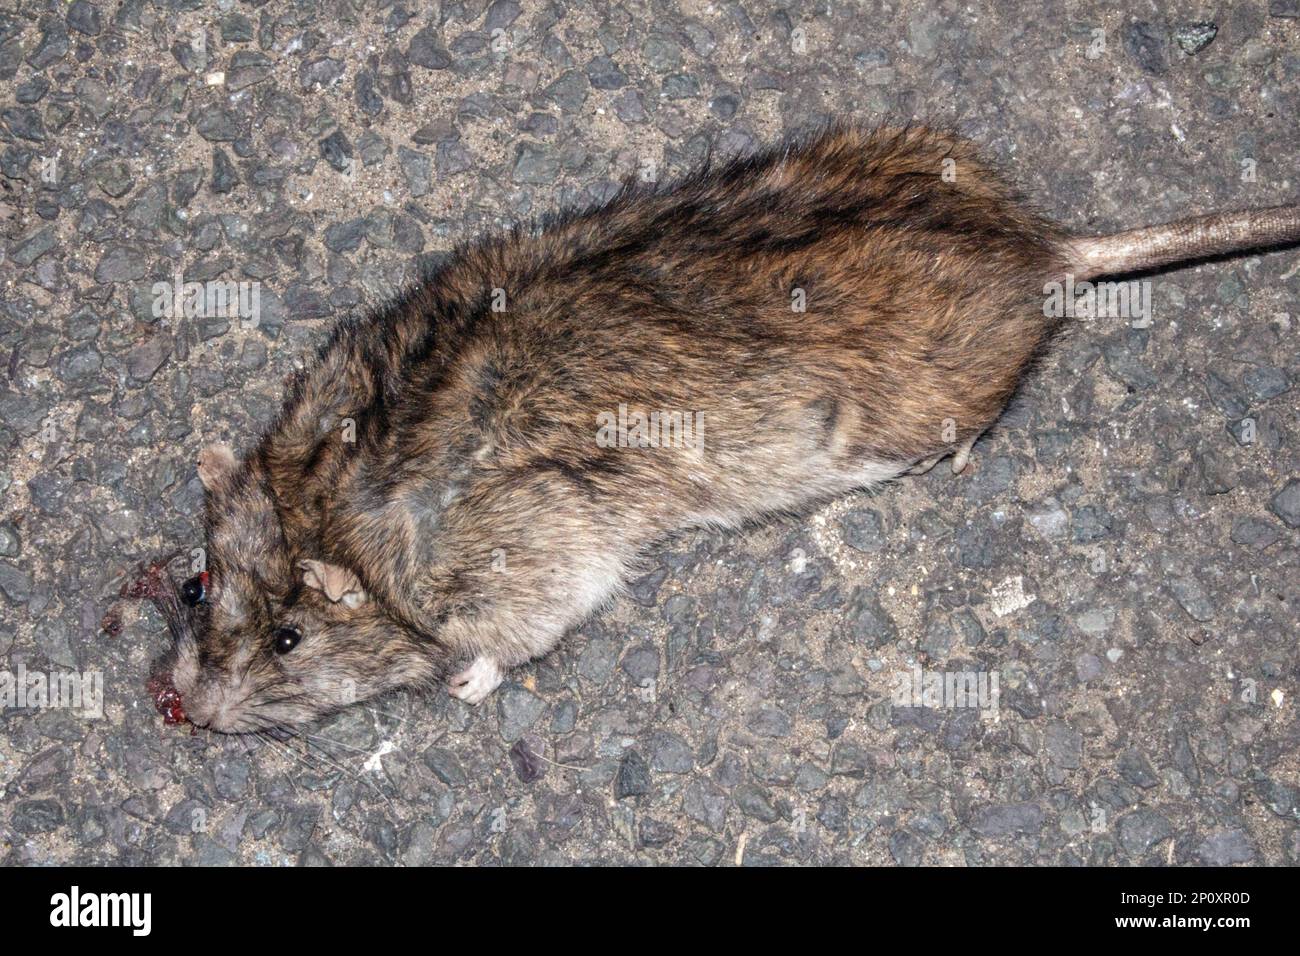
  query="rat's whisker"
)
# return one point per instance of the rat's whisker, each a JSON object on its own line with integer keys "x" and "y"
{"x": 318, "y": 739}
{"x": 321, "y": 755}
{"x": 276, "y": 746}
{"x": 383, "y": 713}
{"x": 285, "y": 773}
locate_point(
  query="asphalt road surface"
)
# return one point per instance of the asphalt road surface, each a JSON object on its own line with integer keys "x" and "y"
{"x": 1120, "y": 558}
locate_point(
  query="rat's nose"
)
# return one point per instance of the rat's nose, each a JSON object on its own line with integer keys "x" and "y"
{"x": 210, "y": 715}
{"x": 207, "y": 705}
{"x": 200, "y": 714}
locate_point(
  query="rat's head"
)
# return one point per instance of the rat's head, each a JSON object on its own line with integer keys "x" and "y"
{"x": 272, "y": 638}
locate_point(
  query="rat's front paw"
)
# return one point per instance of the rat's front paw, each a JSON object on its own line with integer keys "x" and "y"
{"x": 474, "y": 683}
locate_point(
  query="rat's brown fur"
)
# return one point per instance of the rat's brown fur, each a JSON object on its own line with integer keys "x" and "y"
{"x": 476, "y": 510}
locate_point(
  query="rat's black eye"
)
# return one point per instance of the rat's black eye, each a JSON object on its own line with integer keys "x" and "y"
{"x": 286, "y": 639}
{"x": 193, "y": 591}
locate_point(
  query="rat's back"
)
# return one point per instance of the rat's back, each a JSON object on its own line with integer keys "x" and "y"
{"x": 871, "y": 286}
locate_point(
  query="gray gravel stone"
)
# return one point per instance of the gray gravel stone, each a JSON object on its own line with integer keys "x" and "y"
{"x": 864, "y": 530}
{"x": 535, "y": 164}
{"x": 224, "y": 176}
{"x": 1254, "y": 533}
{"x": 1195, "y": 37}
{"x": 121, "y": 263}
{"x": 1136, "y": 769}
{"x": 518, "y": 710}
{"x": 669, "y": 753}
{"x": 26, "y": 251}
{"x": 1001, "y": 821}
{"x": 336, "y": 150}
{"x": 37, "y": 816}
{"x": 604, "y": 74}
{"x": 1064, "y": 745}
{"x": 756, "y": 802}
{"x": 146, "y": 358}
{"x": 426, "y": 50}
{"x": 633, "y": 778}
{"x": 1192, "y": 596}
{"x": 1266, "y": 382}
{"x": 10, "y": 540}
{"x": 418, "y": 170}
{"x": 868, "y": 622}
{"x": 706, "y": 804}
{"x": 84, "y": 17}
{"x": 1141, "y": 830}
{"x": 906, "y": 848}
{"x": 1226, "y": 847}
{"x": 1286, "y": 503}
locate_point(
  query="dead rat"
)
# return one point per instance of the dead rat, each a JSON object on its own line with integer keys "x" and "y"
{"x": 468, "y": 473}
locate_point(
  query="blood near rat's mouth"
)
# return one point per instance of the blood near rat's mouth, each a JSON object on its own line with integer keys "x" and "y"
{"x": 155, "y": 584}
{"x": 166, "y": 698}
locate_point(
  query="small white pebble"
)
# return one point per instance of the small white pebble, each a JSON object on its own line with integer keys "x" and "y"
{"x": 1278, "y": 697}
{"x": 216, "y": 78}
{"x": 372, "y": 764}
{"x": 1114, "y": 654}
{"x": 1009, "y": 596}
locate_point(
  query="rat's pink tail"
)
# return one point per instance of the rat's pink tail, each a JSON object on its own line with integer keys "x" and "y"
{"x": 1139, "y": 250}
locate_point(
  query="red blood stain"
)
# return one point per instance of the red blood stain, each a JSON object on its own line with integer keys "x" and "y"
{"x": 166, "y": 699}
{"x": 148, "y": 585}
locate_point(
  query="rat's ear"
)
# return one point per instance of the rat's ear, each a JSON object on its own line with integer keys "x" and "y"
{"x": 338, "y": 584}
{"x": 216, "y": 464}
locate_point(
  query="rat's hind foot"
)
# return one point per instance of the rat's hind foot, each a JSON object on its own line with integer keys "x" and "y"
{"x": 474, "y": 683}
{"x": 961, "y": 457}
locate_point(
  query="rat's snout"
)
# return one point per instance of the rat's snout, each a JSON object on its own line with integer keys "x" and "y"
{"x": 209, "y": 711}
{"x": 211, "y": 705}
{"x": 209, "y": 700}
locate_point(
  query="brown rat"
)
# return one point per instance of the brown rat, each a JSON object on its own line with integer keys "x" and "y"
{"x": 465, "y": 474}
